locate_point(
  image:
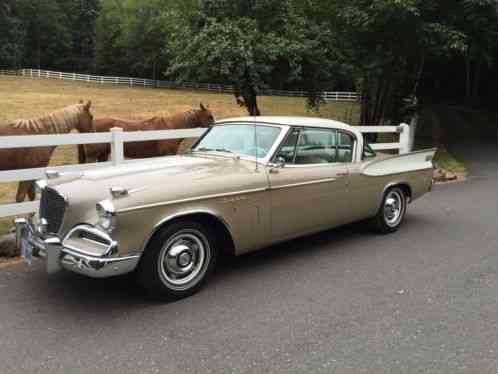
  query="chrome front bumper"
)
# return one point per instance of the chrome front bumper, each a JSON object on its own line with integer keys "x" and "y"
{"x": 60, "y": 257}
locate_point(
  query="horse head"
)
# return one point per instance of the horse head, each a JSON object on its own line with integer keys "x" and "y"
{"x": 205, "y": 117}
{"x": 85, "y": 123}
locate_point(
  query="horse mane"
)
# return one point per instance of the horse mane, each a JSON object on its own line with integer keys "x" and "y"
{"x": 59, "y": 121}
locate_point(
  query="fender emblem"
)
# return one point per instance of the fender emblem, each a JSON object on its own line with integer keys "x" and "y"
{"x": 233, "y": 199}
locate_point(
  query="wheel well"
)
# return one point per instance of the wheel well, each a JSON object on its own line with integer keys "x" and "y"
{"x": 406, "y": 189}
{"x": 223, "y": 236}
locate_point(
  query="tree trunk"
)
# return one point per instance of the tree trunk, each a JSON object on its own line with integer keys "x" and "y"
{"x": 247, "y": 97}
{"x": 252, "y": 105}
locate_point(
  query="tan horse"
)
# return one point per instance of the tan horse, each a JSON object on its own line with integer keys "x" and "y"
{"x": 74, "y": 117}
{"x": 202, "y": 117}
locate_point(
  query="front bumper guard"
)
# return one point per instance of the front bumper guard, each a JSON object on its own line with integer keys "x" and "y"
{"x": 59, "y": 257}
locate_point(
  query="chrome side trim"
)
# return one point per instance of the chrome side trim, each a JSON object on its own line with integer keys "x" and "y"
{"x": 190, "y": 199}
{"x": 171, "y": 217}
{"x": 319, "y": 181}
{"x": 321, "y": 165}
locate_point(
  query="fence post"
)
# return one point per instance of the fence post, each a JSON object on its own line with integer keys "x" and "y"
{"x": 117, "y": 151}
{"x": 413, "y": 130}
{"x": 404, "y": 139}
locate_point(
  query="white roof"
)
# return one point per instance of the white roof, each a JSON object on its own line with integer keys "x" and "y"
{"x": 292, "y": 121}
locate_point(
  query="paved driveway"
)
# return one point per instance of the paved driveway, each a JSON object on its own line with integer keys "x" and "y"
{"x": 424, "y": 300}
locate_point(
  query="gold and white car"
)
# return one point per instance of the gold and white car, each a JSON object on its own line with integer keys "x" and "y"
{"x": 247, "y": 183}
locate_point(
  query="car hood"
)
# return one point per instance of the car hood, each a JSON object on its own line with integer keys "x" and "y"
{"x": 156, "y": 181}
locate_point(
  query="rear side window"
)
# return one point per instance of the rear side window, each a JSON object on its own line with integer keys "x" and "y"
{"x": 310, "y": 145}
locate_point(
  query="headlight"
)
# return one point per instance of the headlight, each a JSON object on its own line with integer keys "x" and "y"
{"x": 107, "y": 216}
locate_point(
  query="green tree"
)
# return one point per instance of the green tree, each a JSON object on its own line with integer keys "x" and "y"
{"x": 478, "y": 20}
{"x": 252, "y": 45}
{"x": 132, "y": 35}
{"x": 47, "y": 41}
{"x": 11, "y": 36}
{"x": 388, "y": 42}
{"x": 80, "y": 17}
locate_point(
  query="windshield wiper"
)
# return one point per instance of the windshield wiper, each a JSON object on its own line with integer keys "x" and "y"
{"x": 223, "y": 150}
{"x": 203, "y": 150}
{"x": 213, "y": 150}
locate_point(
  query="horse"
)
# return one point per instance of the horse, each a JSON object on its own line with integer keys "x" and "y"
{"x": 74, "y": 117}
{"x": 202, "y": 117}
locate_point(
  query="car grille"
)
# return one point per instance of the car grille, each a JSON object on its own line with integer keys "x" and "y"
{"x": 52, "y": 208}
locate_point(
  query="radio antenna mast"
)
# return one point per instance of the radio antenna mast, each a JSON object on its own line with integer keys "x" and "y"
{"x": 255, "y": 142}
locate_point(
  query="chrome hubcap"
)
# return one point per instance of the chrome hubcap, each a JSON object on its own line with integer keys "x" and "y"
{"x": 183, "y": 259}
{"x": 393, "y": 208}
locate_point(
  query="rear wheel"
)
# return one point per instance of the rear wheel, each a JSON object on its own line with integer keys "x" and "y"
{"x": 178, "y": 260}
{"x": 392, "y": 211}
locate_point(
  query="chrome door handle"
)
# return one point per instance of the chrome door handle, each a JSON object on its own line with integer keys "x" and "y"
{"x": 342, "y": 174}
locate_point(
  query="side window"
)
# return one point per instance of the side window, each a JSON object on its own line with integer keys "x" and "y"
{"x": 345, "y": 147}
{"x": 311, "y": 145}
{"x": 316, "y": 146}
{"x": 288, "y": 149}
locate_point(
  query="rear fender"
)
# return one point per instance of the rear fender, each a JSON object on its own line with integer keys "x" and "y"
{"x": 409, "y": 162}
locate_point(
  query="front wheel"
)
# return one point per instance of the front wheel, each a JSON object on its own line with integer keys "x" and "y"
{"x": 392, "y": 211}
{"x": 178, "y": 260}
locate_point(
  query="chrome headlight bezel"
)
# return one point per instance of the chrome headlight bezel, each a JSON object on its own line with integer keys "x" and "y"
{"x": 107, "y": 216}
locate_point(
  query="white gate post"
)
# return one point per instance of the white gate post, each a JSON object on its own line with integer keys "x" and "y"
{"x": 117, "y": 151}
{"x": 404, "y": 139}
{"x": 413, "y": 130}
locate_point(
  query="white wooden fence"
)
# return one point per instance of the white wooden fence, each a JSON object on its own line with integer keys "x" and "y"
{"x": 139, "y": 82}
{"x": 117, "y": 138}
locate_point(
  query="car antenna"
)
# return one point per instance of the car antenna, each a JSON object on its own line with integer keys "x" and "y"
{"x": 255, "y": 142}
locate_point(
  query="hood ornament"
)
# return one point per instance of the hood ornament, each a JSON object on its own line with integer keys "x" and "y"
{"x": 52, "y": 174}
{"x": 118, "y": 192}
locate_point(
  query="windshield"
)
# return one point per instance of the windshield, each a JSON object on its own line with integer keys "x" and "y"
{"x": 240, "y": 139}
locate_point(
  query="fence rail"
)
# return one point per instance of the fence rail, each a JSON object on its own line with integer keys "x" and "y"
{"x": 140, "y": 82}
{"x": 116, "y": 137}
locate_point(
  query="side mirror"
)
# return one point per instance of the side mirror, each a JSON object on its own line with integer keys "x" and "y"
{"x": 280, "y": 162}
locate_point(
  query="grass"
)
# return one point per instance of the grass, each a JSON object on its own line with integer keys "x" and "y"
{"x": 431, "y": 132}
{"x": 445, "y": 160}
{"x": 27, "y": 98}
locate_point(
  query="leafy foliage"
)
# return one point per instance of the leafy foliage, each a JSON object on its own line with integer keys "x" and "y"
{"x": 132, "y": 37}
{"x": 11, "y": 35}
{"x": 387, "y": 49}
{"x": 253, "y": 45}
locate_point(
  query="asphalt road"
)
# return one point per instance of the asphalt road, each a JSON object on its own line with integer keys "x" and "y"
{"x": 423, "y": 300}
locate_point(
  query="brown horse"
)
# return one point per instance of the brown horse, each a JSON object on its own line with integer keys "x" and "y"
{"x": 202, "y": 117}
{"x": 74, "y": 117}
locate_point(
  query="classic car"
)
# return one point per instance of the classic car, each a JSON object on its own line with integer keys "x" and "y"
{"x": 246, "y": 184}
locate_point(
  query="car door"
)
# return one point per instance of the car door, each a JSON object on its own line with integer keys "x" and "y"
{"x": 310, "y": 192}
